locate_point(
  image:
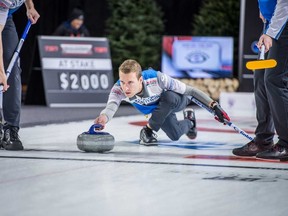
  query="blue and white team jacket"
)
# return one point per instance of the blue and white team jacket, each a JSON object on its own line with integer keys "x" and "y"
{"x": 154, "y": 83}
{"x": 276, "y": 14}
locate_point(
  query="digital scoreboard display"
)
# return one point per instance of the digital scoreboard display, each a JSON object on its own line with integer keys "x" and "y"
{"x": 76, "y": 71}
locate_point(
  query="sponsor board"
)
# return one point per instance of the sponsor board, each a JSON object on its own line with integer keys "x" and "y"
{"x": 76, "y": 71}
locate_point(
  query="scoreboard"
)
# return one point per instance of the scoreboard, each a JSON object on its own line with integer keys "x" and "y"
{"x": 77, "y": 72}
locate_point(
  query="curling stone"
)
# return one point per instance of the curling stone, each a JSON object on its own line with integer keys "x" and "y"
{"x": 95, "y": 140}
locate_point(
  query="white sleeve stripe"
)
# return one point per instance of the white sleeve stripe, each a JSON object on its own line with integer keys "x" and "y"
{"x": 279, "y": 19}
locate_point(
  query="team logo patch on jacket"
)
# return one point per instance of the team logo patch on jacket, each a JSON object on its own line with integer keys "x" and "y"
{"x": 147, "y": 100}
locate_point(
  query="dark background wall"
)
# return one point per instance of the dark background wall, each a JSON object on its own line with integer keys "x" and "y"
{"x": 178, "y": 16}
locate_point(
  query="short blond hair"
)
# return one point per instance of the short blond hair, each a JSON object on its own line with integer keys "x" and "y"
{"x": 131, "y": 66}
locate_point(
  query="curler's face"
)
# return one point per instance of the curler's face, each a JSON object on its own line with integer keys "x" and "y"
{"x": 130, "y": 83}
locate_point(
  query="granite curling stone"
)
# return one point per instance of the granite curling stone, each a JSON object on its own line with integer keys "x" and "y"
{"x": 95, "y": 140}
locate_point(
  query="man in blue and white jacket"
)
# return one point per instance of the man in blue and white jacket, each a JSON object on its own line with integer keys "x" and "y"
{"x": 271, "y": 86}
{"x": 9, "y": 138}
{"x": 155, "y": 93}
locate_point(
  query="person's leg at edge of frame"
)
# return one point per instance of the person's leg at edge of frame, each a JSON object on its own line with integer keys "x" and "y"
{"x": 276, "y": 81}
{"x": 264, "y": 132}
{"x": 1, "y": 132}
{"x": 11, "y": 98}
{"x": 265, "y": 127}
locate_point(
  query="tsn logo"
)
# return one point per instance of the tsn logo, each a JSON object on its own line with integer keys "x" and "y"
{"x": 51, "y": 48}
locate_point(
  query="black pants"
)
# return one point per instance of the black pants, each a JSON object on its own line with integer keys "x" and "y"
{"x": 271, "y": 94}
{"x": 11, "y": 98}
{"x": 164, "y": 117}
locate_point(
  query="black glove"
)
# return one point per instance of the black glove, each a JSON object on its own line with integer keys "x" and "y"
{"x": 220, "y": 114}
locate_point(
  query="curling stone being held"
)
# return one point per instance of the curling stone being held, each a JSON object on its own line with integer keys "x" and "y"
{"x": 95, "y": 140}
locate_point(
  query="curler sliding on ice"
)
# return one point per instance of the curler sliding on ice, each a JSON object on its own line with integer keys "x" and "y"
{"x": 159, "y": 97}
